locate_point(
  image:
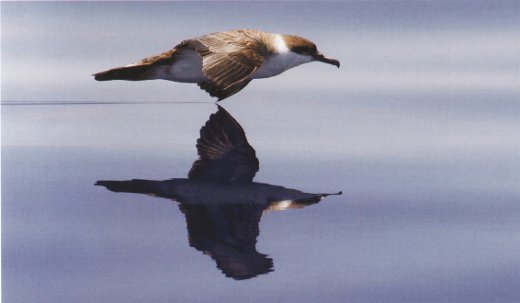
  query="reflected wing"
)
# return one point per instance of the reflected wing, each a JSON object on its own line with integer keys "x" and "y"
{"x": 228, "y": 59}
{"x": 228, "y": 233}
{"x": 224, "y": 153}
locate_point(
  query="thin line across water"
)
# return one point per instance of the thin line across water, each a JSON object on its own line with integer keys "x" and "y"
{"x": 38, "y": 103}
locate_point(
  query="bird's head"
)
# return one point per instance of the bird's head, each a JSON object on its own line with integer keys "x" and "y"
{"x": 305, "y": 47}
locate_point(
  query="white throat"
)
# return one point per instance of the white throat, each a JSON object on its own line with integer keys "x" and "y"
{"x": 281, "y": 60}
{"x": 279, "y": 44}
{"x": 278, "y": 63}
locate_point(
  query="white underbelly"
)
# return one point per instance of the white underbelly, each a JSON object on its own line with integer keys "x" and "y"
{"x": 268, "y": 69}
{"x": 187, "y": 68}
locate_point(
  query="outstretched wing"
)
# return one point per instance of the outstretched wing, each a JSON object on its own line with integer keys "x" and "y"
{"x": 224, "y": 154}
{"x": 228, "y": 59}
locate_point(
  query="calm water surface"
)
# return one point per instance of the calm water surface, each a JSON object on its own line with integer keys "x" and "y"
{"x": 429, "y": 211}
{"x": 418, "y": 128}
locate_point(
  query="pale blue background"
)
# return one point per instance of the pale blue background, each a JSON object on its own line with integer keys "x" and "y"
{"x": 419, "y": 129}
{"x": 447, "y": 46}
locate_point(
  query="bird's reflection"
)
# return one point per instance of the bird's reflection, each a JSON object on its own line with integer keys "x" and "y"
{"x": 222, "y": 205}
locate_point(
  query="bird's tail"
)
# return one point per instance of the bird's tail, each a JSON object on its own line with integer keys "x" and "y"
{"x": 131, "y": 73}
{"x": 131, "y": 186}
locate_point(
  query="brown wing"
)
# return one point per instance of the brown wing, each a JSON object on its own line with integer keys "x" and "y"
{"x": 224, "y": 154}
{"x": 228, "y": 59}
{"x": 216, "y": 90}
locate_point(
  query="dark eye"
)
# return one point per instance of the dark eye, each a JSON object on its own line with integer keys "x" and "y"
{"x": 301, "y": 50}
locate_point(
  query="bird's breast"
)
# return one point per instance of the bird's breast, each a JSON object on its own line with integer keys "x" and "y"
{"x": 278, "y": 63}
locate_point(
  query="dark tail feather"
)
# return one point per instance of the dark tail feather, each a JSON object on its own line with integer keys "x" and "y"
{"x": 132, "y": 186}
{"x": 132, "y": 73}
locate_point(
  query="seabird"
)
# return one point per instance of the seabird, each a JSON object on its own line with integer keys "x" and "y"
{"x": 222, "y": 204}
{"x": 223, "y": 63}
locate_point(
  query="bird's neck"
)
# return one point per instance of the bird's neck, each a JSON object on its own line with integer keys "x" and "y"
{"x": 279, "y": 44}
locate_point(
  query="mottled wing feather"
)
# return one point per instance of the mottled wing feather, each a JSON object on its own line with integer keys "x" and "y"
{"x": 228, "y": 59}
{"x": 215, "y": 90}
{"x": 228, "y": 69}
{"x": 224, "y": 154}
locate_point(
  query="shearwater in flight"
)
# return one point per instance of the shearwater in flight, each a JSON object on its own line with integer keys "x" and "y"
{"x": 223, "y": 63}
{"x": 222, "y": 204}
